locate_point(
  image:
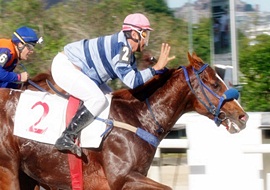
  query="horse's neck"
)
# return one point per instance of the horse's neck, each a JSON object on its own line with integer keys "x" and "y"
{"x": 165, "y": 105}
{"x": 171, "y": 101}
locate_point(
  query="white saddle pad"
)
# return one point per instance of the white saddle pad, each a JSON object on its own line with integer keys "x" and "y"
{"x": 41, "y": 116}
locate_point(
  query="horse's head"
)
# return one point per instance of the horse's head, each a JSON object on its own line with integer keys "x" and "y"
{"x": 213, "y": 98}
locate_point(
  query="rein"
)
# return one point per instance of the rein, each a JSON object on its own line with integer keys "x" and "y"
{"x": 31, "y": 82}
{"x": 36, "y": 86}
{"x": 219, "y": 116}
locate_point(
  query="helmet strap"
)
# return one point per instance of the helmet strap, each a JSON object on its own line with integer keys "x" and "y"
{"x": 135, "y": 40}
{"x": 138, "y": 41}
{"x": 139, "y": 46}
{"x": 20, "y": 49}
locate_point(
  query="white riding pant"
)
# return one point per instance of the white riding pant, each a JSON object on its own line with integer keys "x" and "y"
{"x": 73, "y": 81}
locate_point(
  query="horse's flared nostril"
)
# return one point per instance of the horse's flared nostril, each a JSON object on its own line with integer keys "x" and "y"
{"x": 243, "y": 118}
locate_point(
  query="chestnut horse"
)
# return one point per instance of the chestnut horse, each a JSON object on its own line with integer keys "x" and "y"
{"x": 39, "y": 83}
{"x": 124, "y": 157}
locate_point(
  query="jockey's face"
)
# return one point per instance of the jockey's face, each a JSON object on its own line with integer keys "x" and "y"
{"x": 141, "y": 39}
{"x": 25, "y": 50}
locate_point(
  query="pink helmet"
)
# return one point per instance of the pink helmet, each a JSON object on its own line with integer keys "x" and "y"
{"x": 136, "y": 20}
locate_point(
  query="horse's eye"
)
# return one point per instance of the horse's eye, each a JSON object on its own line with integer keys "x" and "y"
{"x": 215, "y": 86}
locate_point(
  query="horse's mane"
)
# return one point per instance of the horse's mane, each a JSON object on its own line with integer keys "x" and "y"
{"x": 144, "y": 91}
{"x": 40, "y": 80}
{"x": 42, "y": 76}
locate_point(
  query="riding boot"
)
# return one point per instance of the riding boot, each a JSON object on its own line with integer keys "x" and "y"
{"x": 81, "y": 120}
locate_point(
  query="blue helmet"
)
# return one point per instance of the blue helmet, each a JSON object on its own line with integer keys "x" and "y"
{"x": 25, "y": 35}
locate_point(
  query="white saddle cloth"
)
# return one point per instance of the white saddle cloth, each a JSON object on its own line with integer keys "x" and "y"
{"x": 41, "y": 116}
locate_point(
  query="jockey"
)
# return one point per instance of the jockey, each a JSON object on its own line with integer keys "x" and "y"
{"x": 11, "y": 51}
{"x": 84, "y": 67}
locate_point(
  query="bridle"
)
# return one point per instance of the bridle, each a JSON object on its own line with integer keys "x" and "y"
{"x": 219, "y": 116}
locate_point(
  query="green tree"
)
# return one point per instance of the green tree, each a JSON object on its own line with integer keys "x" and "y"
{"x": 202, "y": 38}
{"x": 254, "y": 64}
{"x": 31, "y": 13}
{"x": 157, "y": 6}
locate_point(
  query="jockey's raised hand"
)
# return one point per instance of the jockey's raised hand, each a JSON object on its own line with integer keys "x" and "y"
{"x": 164, "y": 57}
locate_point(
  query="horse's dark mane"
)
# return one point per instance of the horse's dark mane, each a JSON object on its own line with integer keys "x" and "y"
{"x": 144, "y": 91}
{"x": 41, "y": 81}
{"x": 41, "y": 76}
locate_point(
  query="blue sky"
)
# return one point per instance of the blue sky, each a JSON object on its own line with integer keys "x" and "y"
{"x": 264, "y": 4}
{"x": 177, "y": 3}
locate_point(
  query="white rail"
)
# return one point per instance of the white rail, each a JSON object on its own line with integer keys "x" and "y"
{"x": 172, "y": 144}
{"x": 256, "y": 148}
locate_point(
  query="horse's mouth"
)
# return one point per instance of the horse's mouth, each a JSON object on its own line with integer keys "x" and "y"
{"x": 233, "y": 127}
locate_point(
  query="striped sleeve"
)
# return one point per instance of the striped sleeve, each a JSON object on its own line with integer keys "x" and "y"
{"x": 124, "y": 63}
{"x": 129, "y": 74}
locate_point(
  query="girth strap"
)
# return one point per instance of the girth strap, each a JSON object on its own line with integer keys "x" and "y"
{"x": 146, "y": 136}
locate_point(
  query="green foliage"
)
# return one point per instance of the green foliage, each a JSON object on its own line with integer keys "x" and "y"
{"x": 201, "y": 39}
{"x": 254, "y": 64}
{"x": 22, "y": 13}
{"x": 32, "y": 13}
{"x": 157, "y": 6}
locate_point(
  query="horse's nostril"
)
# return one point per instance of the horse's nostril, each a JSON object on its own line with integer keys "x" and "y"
{"x": 243, "y": 118}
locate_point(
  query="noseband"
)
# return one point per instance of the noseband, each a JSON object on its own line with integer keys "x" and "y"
{"x": 230, "y": 94}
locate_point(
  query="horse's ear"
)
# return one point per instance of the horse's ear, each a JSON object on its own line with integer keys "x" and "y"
{"x": 194, "y": 55}
{"x": 196, "y": 58}
{"x": 197, "y": 61}
{"x": 189, "y": 58}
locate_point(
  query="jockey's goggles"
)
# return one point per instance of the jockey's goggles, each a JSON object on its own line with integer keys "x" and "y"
{"x": 30, "y": 47}
{"x": 145, "y": 34}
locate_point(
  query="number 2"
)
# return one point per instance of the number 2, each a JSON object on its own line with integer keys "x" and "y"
{"x": 125, "y": 53}
{"x": 33, "y": 128}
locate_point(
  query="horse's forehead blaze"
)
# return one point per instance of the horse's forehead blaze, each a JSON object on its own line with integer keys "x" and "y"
{"x": 220, "y": 79}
